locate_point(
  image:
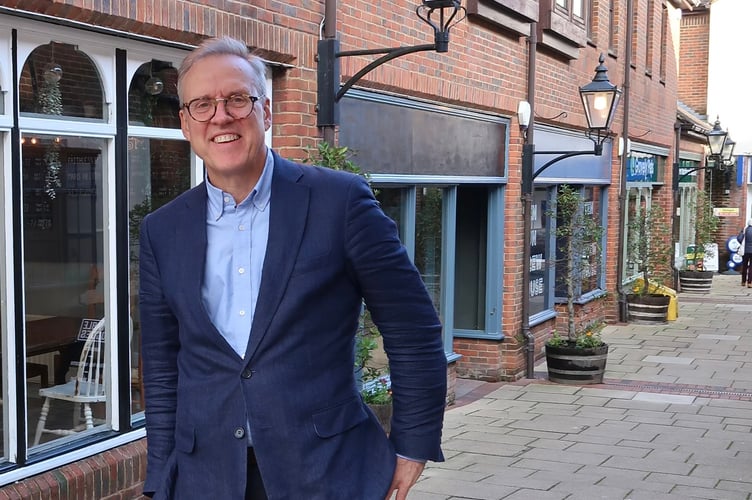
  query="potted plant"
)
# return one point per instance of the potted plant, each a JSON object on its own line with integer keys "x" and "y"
{"x": 693, "y": 277}
{"x": 580, "y": 356}
{"x": 649, "y": 248}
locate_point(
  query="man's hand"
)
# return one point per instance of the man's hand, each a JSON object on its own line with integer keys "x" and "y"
{"x": 405, "y": 476}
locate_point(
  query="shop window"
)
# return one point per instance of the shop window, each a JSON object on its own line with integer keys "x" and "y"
{"x": 159, "y": 170}
{"x": 59, "y": 80}
{"x": 589, "y": 273}
{"x": 428, "y": 240}
{"x": 153, "y": 96}
{"x": 471, "y": 245}
{"x": 64, "y": 278}
{"x": 540, "y": 298}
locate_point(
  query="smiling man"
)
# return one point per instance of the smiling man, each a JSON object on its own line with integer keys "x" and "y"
{"x": 251, "y": 288}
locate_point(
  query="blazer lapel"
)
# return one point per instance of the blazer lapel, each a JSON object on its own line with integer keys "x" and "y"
{"x": 287, "y": 219}
{"x": 191, "y": 244}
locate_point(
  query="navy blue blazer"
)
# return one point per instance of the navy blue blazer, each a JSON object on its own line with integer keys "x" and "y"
{"x": 330, "y": 246}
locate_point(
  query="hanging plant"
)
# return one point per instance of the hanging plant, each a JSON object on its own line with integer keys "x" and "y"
{"x": 51, "y": 103}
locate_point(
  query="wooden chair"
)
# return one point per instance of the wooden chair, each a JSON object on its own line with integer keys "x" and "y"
{"x": 86, "y": 388}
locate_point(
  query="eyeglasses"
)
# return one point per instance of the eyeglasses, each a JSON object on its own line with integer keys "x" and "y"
{"x": 238, "y": 106}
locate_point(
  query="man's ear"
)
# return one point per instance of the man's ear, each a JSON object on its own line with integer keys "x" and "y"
{"x": 184, "y": 124}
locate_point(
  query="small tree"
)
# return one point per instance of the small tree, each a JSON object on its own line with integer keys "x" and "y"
{"x": 649, "y": 245}
{"x": 705, "y": 226}
{"x": 579, "y": 235}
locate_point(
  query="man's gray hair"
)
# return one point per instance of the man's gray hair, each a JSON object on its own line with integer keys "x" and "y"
{"x": 221, "y": 47}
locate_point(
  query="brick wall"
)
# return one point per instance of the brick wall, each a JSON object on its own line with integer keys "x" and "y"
{"x": 117, "y": 474}
{"x": 693, "y": 60}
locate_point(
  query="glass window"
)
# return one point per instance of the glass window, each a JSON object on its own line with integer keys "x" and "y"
{"x": 153, "y": 96}
{"x": 393, "y": 203}
{"x": 586, "y": 266}
{"x": 470, "y": 258}
{"x": 159, "y": 170}
{"x": 59, "y": 80}
{"x": 538, "y": 285}
{"x": 64, "y": 276}
{"x": 428, "y": 239}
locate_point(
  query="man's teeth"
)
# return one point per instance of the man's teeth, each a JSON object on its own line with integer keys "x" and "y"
{"x": 225, "y": 138}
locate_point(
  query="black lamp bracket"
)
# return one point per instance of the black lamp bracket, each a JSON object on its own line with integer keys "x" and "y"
{"x": 329, "y": 90}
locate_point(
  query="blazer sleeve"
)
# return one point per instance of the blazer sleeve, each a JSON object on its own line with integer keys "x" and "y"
{"x": 159, "y": 350}
{"x": 407, "y": 320}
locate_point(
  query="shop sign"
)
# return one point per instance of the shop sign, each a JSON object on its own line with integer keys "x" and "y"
{"x": 642, "y": 168}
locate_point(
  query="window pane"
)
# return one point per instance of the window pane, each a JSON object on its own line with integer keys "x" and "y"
{"x": 470, "y": 258}
{"x": 159, "y": 170}
{"x": 392, "y": 203}
{"x": 538, "y": 252}
{"x": 428, "y": 219}
{"x": 57, "y": 79}
{"x": 577, "y": 8}
{"x": 153, "y": 96}
{"x": 64, "y": 277}
{"x": 590, "y": 280}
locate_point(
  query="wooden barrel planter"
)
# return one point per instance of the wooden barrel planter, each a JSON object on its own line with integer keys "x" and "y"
{"x": 647, "y": 309}
{"x": 696, "y": 281}
{"x": 577, "y": 366}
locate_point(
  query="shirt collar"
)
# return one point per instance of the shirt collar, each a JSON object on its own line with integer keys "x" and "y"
{"x": 259, "y": 196}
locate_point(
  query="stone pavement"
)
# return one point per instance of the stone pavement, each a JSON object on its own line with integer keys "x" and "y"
{"x": 672, "y": 420}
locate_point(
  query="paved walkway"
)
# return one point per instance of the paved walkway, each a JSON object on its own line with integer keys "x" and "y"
{"x": 672, "y": 420}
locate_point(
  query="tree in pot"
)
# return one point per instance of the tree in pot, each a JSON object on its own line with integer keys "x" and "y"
{"x": 580, "y": 356}
{"x": 693, "y": 277}
{"x": 650, "y": 250}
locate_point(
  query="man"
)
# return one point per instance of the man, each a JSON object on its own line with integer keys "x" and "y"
{"x": 251, "y": 288}
{"x": 745, "y": 239}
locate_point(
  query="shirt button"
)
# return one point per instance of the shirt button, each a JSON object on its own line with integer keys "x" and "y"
{"x": 247, "y": 373}
{"x": 241, "y": 270}
{"x": 227, "y": 199}
{"x": 242, "y": 312}
{"x": 241, "y": 227}
{"x": 239, "y": 433}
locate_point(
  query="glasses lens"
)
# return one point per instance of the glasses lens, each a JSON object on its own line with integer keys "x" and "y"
{"x": 239, "y": 105}
{"x": 201, "y": 109}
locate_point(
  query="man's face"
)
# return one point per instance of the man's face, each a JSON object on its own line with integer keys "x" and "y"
{"x": 227, "y": 145}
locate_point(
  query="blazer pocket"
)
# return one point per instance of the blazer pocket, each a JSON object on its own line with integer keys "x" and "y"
{"x": 185, "y": 439}
{"x": 314, "y": 264}
{"x": 338, "y": 419}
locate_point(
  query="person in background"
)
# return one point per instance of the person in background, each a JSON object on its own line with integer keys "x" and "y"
{"x": 250, "y": 293}
{"x": 745, "y": 238}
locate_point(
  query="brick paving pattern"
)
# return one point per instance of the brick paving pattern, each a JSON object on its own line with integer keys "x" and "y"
{"x": 672, "y": 420}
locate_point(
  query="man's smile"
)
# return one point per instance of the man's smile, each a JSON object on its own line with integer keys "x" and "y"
{"x": 221, "y": 139}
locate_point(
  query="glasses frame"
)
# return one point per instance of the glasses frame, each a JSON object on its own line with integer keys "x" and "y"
{"x": 215, "y": 101}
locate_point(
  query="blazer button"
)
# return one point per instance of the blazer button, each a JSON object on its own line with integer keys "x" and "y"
{"x": 247, "y": 373}
{"x": 240, "y": 433}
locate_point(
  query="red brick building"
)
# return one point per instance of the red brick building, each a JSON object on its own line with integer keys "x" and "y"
{"x": 91, "y": 143}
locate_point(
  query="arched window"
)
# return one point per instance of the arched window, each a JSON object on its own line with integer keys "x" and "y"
{"x": 59, "y": 80}
{"x": 153, "y": 96}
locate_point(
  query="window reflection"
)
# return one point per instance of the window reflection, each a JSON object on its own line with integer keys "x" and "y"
{"x": 470, "y": 258}
{"x": 64, "y": 277}
{"x": 538, "y": 251}
{"x": 153, "y": 96}
{"x": 428, "y": 236}
{"x": 159, "y": 170}
{"x": 58, "y": 80}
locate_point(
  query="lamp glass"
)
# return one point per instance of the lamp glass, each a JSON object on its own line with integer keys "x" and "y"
{"x": 716, "y": 139}
{"x": 728, "y": 149}
{"x": 600, "y": 107}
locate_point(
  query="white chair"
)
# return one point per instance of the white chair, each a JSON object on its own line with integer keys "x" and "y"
{"x": 86, "y": 388}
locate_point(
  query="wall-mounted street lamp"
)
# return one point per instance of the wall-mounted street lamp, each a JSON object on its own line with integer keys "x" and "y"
{"x": 600, "y": 98}
{"x": 441, "y": 15}
{"x": 721, "y": 150}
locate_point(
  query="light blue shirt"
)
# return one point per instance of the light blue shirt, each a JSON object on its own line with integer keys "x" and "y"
{"x": 236, "y": 237}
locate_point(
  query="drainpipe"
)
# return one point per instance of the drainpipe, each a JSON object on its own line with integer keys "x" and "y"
{"x": 624, "y": 165}
{"x": 527, "y": 197}
{"x": 330, "y": 31}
